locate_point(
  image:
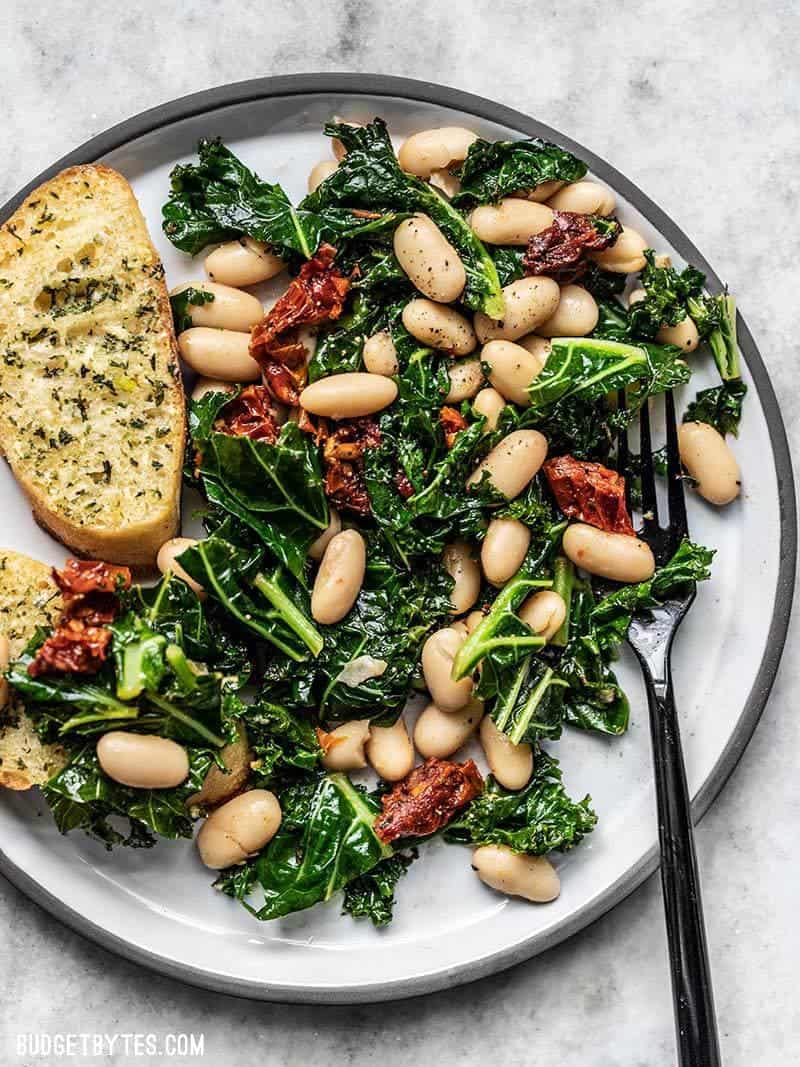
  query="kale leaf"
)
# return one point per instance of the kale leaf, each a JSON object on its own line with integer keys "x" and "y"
{"x": 720, "y": 406}
{"x": 493, "y": 169}
{"x": 181, "y": 301}
{"x": 371, "y": 895}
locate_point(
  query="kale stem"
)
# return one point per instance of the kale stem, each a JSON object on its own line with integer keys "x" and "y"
{"x": 290, "y": 613}
{"x": 182, "y": 717}
{"x": 563, "y": 582}
{"x": 531, "y": 704}
{"x": 505, "y": 710}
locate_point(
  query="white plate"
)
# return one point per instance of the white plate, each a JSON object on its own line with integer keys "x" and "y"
{"x": 156, "y": 906}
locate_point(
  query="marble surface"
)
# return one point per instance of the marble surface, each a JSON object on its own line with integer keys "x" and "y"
{"x": 698, "y": 103}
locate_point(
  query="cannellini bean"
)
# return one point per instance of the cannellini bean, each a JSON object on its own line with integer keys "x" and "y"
{"x": 390, "y": 752}
{"x": 166, "y": 561}
{"x": 626, "y": 255}
{"x": 431, "y": 150}
{"x": 344, "y": 746}
{"x": 708, "y": 458}
{"x": 636, "y": 295}
{"x": 221, "y": 354}
{"x": 441, "y": 733}
{"x": 445, "y": 182}
{"x": 242, "y": 262}
{"x": 489, "y": 402}
{"x": 609, "y": 555}
{"x": 430, "y": 261}
{"x": 511, "y": 222}
{"x": 239, "y": 829}
{"x": 513, "y": 462}
{"x": 504, "y": 548}
{"x": 339, "y": 578}
{"x": 231, "y": 309}
{"x": 463, "y": 568}
{"x": 539, "y": 347}
{"x": 473, "y": 620}
{"x": 210, "y": 385}
{"x": 517, "y": 874}
{"x": 317, "y": 550}
{"x": 142, "y": 761}
{"x": 320, "y": 172}
{"x": 5, "y": 659}
{"x": 466, "y": 378}
{"x": 576, "y": 315}
{"x": 540, "y": 193}
{"x": 439, "y": 327}
{"x": 380, "y": 355}
{"x": 512, "y": 765}
{"x": 684, "y": 335}
{"x": 219, "y": 785}
{"x": 584, "y": 198}
{"x": 438, "y": 654}
{"x": 348, "y": 396}
{"x": 529, "y": 302}
{"x": 544, "y": 612}
{"x": 513, "y": 369}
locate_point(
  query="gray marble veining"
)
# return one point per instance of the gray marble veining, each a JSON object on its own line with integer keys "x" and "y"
{"x": 698, "y": 103}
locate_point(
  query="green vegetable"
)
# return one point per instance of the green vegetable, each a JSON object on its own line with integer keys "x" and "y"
{"x": 283, "y": 743}
{"x": 531, "y": 706}
{"x": 371, "y": 895}
{"x": 536, "y": 819}
{"x": 665, "y": 304}
{"x": 493, "y": 169}
{"x": 588, "y": 368}
{"x": 720, "y": 407}
{"x": 369, "y": 177}
{"x": 180, "y": 303}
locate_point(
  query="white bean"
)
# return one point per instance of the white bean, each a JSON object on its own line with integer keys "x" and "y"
{"x": 513, "y": 462}
{"x": 576, "y": 315}
{"x": 511, "y": 222}
{"x": 231, "y": 309}
{"x": 380, "y": 355}
{"x": 512, "y": 369}
{"x": 390, "y": 752}
{"x": 344, "y": 746}
{"x": 430, "y": 261}
{"x": 539, "y": 193}
{"x": 320, "y": 172}
{"x": 445, "y": 182}
{"x": 317, "y": 550}
{"x": 528, "y": 301}
{"x": 609, "y": 555}
{"x": 438, "y": 654}
{"x": 463, "y": 568}
{"x": 466, "y": 378}
{"x": 517, "y": 874}
{"x": 204, "y": 386}
{"x": 242, "y": 262}
{"x": 512, "y": 765}
{"x": 709, "y": 460}
{"x": 166, "y": 561}
{"x": 489, "y": 402}
{"x": 539, "y": 347}
{"x": 438, "y": 326}
{"x": 584, "y": 198}
{"x": 431, "y": 150}
{"x": 544, "y": 612}
{"x": 348, "y": 396}
{"x": 626, "y": 255}
{"x": 441, "y": 733}
{"x": 219, "y": 785}
{"x": 339, "y": 578}
{"x": 684, "y": 335}
{"x": 142, "y": 761}
{"x": 239, "y": 829}
{"x": 221, "y": 354}
{"x": 504, "y": 548}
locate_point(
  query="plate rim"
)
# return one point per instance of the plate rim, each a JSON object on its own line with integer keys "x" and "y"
{"x": 355, "y": 85}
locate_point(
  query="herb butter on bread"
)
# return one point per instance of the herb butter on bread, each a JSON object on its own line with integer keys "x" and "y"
{"x": 28, "y": 599}
{"x": 91, "y": 403}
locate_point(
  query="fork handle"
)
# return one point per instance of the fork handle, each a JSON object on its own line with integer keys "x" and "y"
{"x": 698, "y": 1043}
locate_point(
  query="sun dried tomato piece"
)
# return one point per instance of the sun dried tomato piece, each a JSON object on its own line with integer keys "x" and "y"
{"x": 285, "y": 383}
{"x": 403, "y": 484}
{"x": 561, "y": 250}
{"x": 427, "y": 799}
{"x": 589, "y": 492}
{"x": 91, "y": 576}
{"x": 453, "y": 422}
{"x": 251, "y": 415}
{"x": 343, "y": 457}
{"x": 74, "y": 648}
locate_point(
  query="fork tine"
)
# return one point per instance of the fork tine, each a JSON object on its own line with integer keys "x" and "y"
{"x": 623, "y": 452}
{"x": 649, "y": 498}
{"x": 678, "y": 524}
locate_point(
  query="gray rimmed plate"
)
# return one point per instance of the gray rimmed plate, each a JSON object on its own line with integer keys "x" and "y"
{"x": 156, "y": 907}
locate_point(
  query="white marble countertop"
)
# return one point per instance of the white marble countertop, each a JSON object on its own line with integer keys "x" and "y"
{"x": 698, "y": 103}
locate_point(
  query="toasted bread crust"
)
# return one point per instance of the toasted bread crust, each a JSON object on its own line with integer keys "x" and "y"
{"x": 85, "y": 316}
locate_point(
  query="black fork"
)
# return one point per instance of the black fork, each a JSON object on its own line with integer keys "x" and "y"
{"x": 651, "y": 639}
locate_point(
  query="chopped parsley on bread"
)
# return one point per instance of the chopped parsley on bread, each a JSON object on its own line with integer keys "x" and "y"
{"x": 92, "y": 417}
{"x": 28, "y": 599}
